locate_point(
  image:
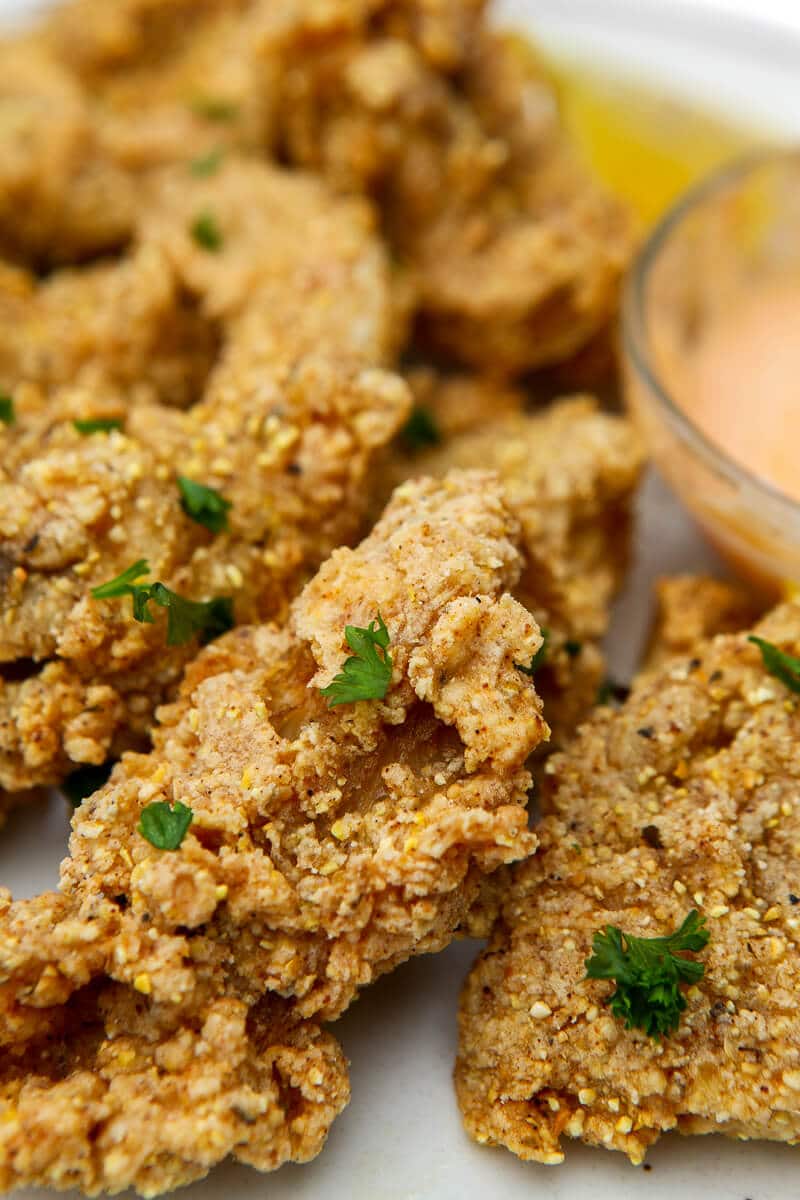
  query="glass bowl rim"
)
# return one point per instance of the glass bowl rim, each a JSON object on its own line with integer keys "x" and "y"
{"x": 634, "y": 320}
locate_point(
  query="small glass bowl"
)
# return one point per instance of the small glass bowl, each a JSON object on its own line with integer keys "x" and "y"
{"x": 738, "y": 229}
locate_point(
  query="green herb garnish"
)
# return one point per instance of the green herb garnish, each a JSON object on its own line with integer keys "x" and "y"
{"x": 85, "y": 782}
{"x": 163, "y": 825}
{"x": 366, "y": 675}
{"x": 203, "y": 504}
{"x": 206, "y": 232}
{"x": 7, "y": 414}
{"x": 648, "y": 973}
{"x": 780, "y": 664}
{"x": 420, "y": 429}
{"x": 215, "y": 108}
{"x": 612, "y": 692}
{"x": 206, "y": 164}
{"x": 539, "y": 658}
{"x": 572, "y": 649}
{"x": 185, "y": 618}
{"x": 98, "y": 425}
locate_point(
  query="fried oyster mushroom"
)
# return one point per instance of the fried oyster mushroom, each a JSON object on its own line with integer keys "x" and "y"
{"x": 326, "y": 846}
{"x": 685, "y": 798}
{"x": 292, "y": 419}
{"x": 570, "y": 473}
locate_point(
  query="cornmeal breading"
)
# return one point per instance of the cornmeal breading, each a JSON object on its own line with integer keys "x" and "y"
{"x": 694, "y": 607}
{"x": 287, "y": 430}
{"x": 120, "y": 1100}
{"x": 327, "y": 846}
{"x": 685, "y": 798}
{"x": 569, "y": 472}
{"x": 514, "y": 252}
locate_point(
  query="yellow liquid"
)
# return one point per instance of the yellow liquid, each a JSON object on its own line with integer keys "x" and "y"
{"x": 646, "y": 147}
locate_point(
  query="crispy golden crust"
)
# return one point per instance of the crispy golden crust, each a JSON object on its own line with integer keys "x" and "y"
{"x": 514, "y": 252}
{"x": 686, "y": 797}
{"x": 287, "y": 430}
{"x": 327, "y": 845}
{"x": 569, "y": 472}
{"x": 694, "y": 607}
{"x": 120, "y": 1100}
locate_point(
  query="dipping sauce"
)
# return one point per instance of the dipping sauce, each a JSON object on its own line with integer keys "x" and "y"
{"x": 741, "y": 384}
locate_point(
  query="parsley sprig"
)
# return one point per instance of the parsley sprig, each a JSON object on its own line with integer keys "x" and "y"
{"x": 206, "y": 164}
{"x": 7, "y": 414}
{"x": 185, "y": 618}
{"x": 206, "y": 232}
{"x": 648, "y": 973}
{"x": 420, "y": 430}
{"x": 366, "y": 675}
{"x": 780, "y": 664}
{"x": 203, "y": 504}
{"x": 97, "y": 425}
{"x": 539, "y": 658}
{"x": 165, "y": 826}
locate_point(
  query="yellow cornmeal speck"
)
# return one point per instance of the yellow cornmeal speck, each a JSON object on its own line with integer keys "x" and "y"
{"x": 624, "y": 1125}
{"x": 587, "y": 1096}
{"x": 234, "y": 575}
{"x": 679, "y": 887}
{"x": 539, "y": 1010}
{"x": 126, "y": 1057}
{"x": 719, "y": 910}
{"x": 410, "y": 844}
{"x": 247, "y": 778}
{"x": 260, "y": 709}
{"x": 125, "y": 856}
{"x": 339, "y": 830}
{"x": 193, "y": 719}
{"x": 142, "y": 983}
{"x": 682, "y": 769}
{"x": 159, "y": 774}
{"x": 773, "y": 913}
{"x": 162, "y": 471}
{"x": 221, "y": 891}
{"x": 786, "y": 808}
{"x": 328, "y": 868}
{"x": 753, "y": 913}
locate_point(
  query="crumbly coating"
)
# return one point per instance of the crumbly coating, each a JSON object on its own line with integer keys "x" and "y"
{"x": 513, "y": 251}
{"x": 287, "y": 430}
{"x": 569, "y": 472}
{"x": 121, "y": 1101}
{"x": 327, "y": 845}
{"x": 685, "y": 798}
{"x": 694, "y": 607}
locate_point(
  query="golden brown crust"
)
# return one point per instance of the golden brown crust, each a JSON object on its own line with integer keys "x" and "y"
{"x": 694, "y": 607}
{"x": 570, "y": 472}
{"x": 290, "y": 423}
{"x": 686, "y": 797}
{"x": 327, "y": 844}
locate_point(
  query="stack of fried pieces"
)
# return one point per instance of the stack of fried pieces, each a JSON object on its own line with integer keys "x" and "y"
{"x": 274, "y": 279}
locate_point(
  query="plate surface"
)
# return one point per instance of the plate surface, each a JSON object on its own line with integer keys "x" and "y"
{"x": 401, "y": 1137}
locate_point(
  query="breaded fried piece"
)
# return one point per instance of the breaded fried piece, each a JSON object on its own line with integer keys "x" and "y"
{"x": 685, "y": 798}
{"x": 570, "y": 472}
{"x": 516, "y": 252}
{"x": 121, "y": 1100}
{"x": 327, "y": 844}
{"x": 125, "y": 331}
{"x": 694, "y": 607}
{"x": 286, "y": 435}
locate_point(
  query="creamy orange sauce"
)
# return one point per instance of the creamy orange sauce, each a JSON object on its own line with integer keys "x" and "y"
{"x": 741, "y": 384}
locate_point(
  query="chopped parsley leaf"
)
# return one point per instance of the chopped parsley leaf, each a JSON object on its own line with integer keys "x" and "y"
{"x": 165, "y": 826}
{"x": 648, "y": 973}
{"x": 539, "y": 658}
{"x": 204, "y": 505}
{"x": 206, "y": 164}
{"x": 366, "y": 675}
{"x": 98, "y": 425}
{"x": 215, "y": 108}
{"x": 185, "y": 618}
{"x": 612, "y": 692}
{"x": 7, "y": 414}
{"x": 420, "y": 429}
{"x": 206, "y": 232}
{"x": 85, "y": 782}
{"x": 780, "y": 664}
{"x": 572, "y": 648}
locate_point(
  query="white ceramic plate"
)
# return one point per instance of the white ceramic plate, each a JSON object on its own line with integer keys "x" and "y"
{"x": 401, "y": 1137}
